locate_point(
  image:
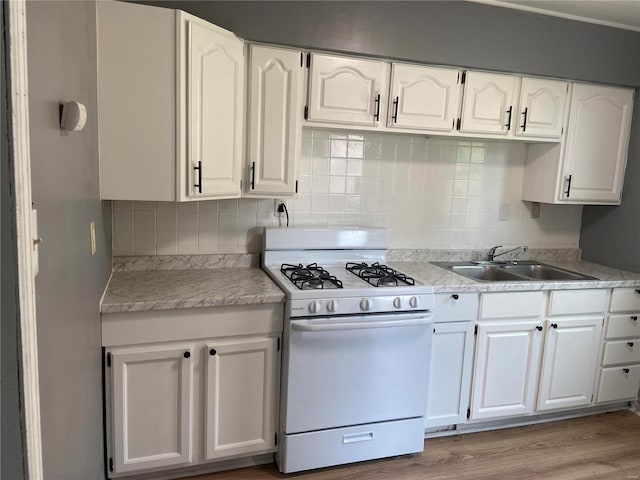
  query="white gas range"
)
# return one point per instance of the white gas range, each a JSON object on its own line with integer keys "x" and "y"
{"x": 356, "y": 350}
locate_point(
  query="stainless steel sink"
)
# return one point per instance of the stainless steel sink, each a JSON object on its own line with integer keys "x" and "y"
{"x": 526, "y": 271}
{"x": 485, "y": 273}
{"x": 545, "y": 272}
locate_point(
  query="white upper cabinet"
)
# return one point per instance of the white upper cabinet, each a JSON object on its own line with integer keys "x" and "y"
{"x": 488, "y": 103}
{"x": 424, "y": 97}
{"x": 597, "y": 143}
{"x": 347, "y": 90}
{"x": 215, "y": 108}
{"x": 170, "y": 105}
{"x": 274, "y": 124}
{"x": 588, "y": 166}
{"x": 541, "y": 107}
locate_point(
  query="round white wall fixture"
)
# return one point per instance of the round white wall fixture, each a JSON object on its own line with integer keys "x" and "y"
{"x": 74, "y": 116}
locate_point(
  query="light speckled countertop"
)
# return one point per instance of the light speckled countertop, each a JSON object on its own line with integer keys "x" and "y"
{"x": 140, "y": 290}
{"x": 445, "y": 281}
{"x": 168, "y": 289}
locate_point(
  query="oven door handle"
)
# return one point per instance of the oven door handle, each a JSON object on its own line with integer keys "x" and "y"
{"x": 305, "y": 326}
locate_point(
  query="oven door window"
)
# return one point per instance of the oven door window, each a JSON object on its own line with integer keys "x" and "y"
{"x": 355, "y": 370}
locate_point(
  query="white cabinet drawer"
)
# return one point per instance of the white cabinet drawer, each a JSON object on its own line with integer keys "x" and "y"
{"x": 620, "y": 326}
{"x": 351, "y": 444}
{"x": 456, "y": 307}
{"x": 619, "y": 383}
{"x": 511, "y": 305}
{"x": 625, "y": 300}
{"x": 570, "y": 302}
{"x": 621, "y": 351}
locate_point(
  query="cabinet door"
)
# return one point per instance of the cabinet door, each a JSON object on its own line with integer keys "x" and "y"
{"x": 450, "y": 374}
{"x": 275, "y": 90}
{"x": 488, "y": 102}
{"x": 542, "y": 106}
{"x": 241, "y": 389}
{"x": 569, "y": 362}
{"x": 347, "y": 90}
{"x": 424, "y": 97}
{"x": 597, "y": 144}
{"x": 151, "y": 407}
{"x": 215, "y": 89}
{"x": 506, "y": 368}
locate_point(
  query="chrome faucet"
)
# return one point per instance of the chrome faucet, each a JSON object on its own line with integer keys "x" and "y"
{"x": 492, "y": 251}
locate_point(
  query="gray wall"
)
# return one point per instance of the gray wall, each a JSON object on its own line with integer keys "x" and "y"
{"x": 611, "y": 235}
{"x": 12, "y": 460}
{"x": 469, "y": 35}
{"x": 62, "y": 67}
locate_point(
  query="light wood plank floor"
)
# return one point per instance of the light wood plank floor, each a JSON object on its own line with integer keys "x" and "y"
{"x": 598, "y": 447}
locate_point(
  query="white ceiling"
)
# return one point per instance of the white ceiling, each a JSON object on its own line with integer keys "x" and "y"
{"x": 613, "y": 13}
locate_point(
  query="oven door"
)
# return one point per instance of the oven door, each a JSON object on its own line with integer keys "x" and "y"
{"x": 355, "y": 370}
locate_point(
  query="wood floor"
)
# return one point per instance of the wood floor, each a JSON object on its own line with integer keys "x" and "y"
{"x": 603, "y": 447}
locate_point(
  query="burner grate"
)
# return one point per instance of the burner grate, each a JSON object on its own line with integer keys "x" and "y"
{"x": 309, "y": 277}
{"x": 379, "y": 275}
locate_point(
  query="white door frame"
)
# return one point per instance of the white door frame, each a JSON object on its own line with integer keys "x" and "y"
{"x": 26, "y": 244}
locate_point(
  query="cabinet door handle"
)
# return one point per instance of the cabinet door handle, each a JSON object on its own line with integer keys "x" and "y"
{"x": 253, "y": 175}
{"x": 568, "y": 186}
{"x": 187, "y": 354}
{"x": 625, "y": 370}
{"x": 630, "y": 344}
{"x": 638, "y": 290}
{"x": 376, "y": 116}
{"x": 199, "y": 184}
{"x": 212, "y": 352}
{"x": 508, "y": 125}
{"x": 394, "y": 117}
{"x": 455, "y": 296}
{"x": 539, "y": 328}
{"x": 634, "y": 318}
{"x": 524, "y": 124}
{"x": 554, "y": 325}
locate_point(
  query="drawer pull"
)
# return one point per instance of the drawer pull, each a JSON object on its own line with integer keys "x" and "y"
{"x": 630, "y": 344}
{"x": 455, "y": 296}
{"x": 539, "y": 328}
{"x": 554, "y": 325}
{"x": 634, "y": 318}
{"x": 638, "y": 290}
{"x": 625, "y": 370}
{"x": 357, "y": 437}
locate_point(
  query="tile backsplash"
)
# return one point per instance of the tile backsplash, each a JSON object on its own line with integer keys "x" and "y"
{"x": 430, "y": 193}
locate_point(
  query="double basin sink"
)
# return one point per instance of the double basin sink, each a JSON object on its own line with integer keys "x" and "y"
{"x": 516, "y": 271}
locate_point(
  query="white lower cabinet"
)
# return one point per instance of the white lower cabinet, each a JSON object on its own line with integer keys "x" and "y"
{"x": 620, "y": 373}
{"x": 151, "y": 406}
{"x": 154, "y": 392}
{"x": 569, "y": 363}
{"x": 506, "y": 368}
{"x": 241, "y": 382}
{"x": 450, "y": 377}
{"x": 519, "y": 360}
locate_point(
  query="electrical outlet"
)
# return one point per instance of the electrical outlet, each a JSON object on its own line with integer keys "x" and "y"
{"x": 535, "y": 210}
{"x": 276, "y": 205}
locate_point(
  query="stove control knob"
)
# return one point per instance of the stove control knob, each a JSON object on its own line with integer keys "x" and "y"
{"x": 365, "y": 304}
{"x": 332, "y": 306}
{"x": 413, "y": 302}
{"x": 314, "y": 307}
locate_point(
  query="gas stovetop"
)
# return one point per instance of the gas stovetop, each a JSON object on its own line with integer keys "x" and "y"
{"x": 338, "y": 280}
